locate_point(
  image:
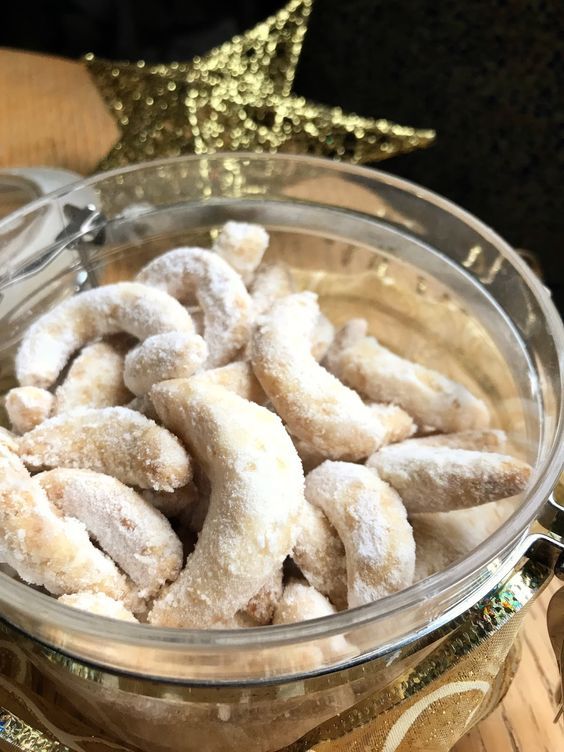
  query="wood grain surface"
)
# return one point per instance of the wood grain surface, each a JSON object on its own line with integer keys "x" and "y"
{"x": 52, "y": 115}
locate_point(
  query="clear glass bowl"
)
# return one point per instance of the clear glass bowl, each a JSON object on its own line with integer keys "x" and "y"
{"x": 435, "y": 284}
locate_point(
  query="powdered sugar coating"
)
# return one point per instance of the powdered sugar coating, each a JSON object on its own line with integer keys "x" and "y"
{"x": 98, "y": 603}
{"x": 372, "y": 523}
{"x": 46, "y": 548}
{"x": 185, "y": 272}
{"x": 440, "y": 479}
{"x": 112, "y": 440}
{"x": 242, "y": 245}
{"x": 315, "y": 405}
{"x": 122, "y": 307}
{"x": 300, "y": 602}
{"x": 380, "y": 375}
{"x": 482, "y": 440}
{"x": 132, "y": 532}
{"x": 257, "y": 494}
{"x": 238, "y": 377}
{"x": 443, "y": 537}
{"x": 8, "y": 440}
{"x": 395, "y": 423}
{"x": 271, "y": 282}
{"x": 172, "y": 355}
{"x": 27, "y": 407}
{"x": 322, "y": 337}
{"x": 320, "y": 555}
{"x": 95, "y": 379}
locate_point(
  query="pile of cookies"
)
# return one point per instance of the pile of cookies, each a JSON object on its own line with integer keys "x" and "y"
{"x": 198, "y": 448}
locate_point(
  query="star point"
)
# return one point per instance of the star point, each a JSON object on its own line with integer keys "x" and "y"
{"x": 238, "y": 97}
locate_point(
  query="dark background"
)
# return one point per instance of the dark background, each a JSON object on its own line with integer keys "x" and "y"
{"x": 487, "y": 75}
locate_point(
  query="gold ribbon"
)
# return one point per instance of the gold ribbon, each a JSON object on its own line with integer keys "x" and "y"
{"x": 462, "y": 676}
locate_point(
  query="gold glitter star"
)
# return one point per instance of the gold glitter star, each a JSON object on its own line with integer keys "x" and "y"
{"x": 238, "y": 97}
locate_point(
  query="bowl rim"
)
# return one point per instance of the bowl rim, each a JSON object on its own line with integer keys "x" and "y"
{"x": 515, "y": 530}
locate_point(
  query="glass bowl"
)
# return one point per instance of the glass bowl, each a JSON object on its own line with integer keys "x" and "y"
{"x": 436, "y": 285}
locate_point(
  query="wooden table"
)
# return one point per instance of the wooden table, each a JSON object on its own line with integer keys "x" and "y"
{"x": 51, "y": 114}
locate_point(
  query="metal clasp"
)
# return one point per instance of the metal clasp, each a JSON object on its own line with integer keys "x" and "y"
{"x": 555, "y": 624}
{"x": 548, "y": 534}
{"x": 550, "y": 543}
{"x": 86, "y": 227}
